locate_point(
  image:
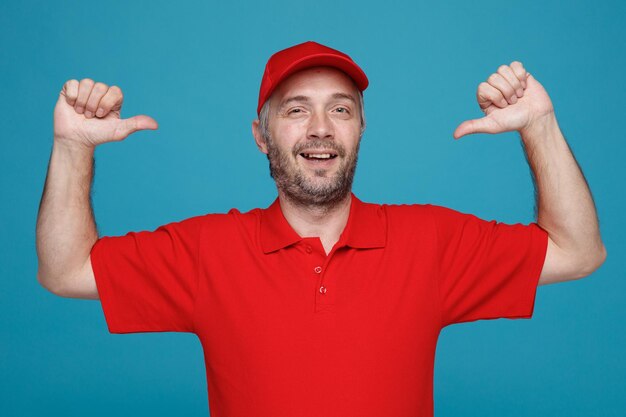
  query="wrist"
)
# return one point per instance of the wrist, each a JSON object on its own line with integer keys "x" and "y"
{"x": 543, "y": 126}
{"x": 72, "y": 146}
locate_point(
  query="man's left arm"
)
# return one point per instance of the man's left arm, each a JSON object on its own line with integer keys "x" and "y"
{"x": 513, "y": 100}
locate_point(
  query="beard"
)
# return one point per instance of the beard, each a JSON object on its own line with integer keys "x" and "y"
{"x": 319, "y": 190}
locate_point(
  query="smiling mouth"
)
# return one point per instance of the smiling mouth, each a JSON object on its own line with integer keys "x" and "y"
{"x": 318, "y": 156}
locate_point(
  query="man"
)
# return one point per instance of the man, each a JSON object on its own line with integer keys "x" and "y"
{"x": 320, "y": 304}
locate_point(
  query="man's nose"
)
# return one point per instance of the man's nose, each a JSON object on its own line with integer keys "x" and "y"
{"x": 320, "y": 126}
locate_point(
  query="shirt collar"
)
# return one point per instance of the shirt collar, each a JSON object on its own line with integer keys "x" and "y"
{"x": 366, "y": 227}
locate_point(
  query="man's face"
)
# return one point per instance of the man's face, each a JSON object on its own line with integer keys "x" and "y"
{"x": 314, "y": 136}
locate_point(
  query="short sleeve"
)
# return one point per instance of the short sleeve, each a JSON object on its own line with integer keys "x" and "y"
{"x": 487, "y": 269}
{"x": 147, "y": 280}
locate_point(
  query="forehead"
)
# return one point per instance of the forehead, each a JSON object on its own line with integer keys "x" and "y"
{"x": 316, "y": 81}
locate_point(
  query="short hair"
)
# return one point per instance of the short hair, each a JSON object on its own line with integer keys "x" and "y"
{"x": 264, "y": 117}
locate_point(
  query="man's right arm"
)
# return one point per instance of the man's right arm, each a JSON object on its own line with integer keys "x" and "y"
{"x": 87, "y": 114}
{"x": 66, "y": 229}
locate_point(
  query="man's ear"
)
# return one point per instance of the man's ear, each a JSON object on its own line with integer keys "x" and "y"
{"x": 258, "y": 138}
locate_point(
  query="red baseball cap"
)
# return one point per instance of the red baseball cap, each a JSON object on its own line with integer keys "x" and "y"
{"x": 305, "y": 55}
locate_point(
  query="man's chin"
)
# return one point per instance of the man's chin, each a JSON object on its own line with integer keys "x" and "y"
{"x": 321, "y": 185}
{"x": 326, "y": 192}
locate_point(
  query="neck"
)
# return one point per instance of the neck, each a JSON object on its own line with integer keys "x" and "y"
{"x": 324, "y": 221}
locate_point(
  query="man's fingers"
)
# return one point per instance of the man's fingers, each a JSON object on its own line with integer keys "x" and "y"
{"x": 92, "y": 98}
{"x": 84, "y": 90}
{"x": 70, "y": 91}
{"x": 512, "y": 79}
{"x": 97, "y": 92}
{"x": 488, "y": 95}
{"x": 520, "y": 72}
{"x": 112, "y": 100}
{"x": 482, "y": 125}
{"x": 499, "y": 82}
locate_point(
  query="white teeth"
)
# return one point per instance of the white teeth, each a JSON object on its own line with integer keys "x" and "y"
{"x": 317, "y": 156}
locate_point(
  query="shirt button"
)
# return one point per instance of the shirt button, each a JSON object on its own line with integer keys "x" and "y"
{"x": 323, "y": 290}
{"x": 318, "y": 269}
{"x": 308, "y": 249}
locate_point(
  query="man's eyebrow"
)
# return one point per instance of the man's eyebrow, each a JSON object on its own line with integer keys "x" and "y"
{"x": 344, "y": 95}
{"x": 292, "y": 99}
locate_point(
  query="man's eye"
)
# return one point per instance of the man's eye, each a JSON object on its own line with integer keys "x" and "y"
{"x": 294, "y": 111}
{"x": 342, "y": 110}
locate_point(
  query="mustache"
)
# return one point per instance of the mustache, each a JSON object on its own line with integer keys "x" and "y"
{"x": 312, "y": 145}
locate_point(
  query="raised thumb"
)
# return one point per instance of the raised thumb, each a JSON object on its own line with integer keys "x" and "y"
{"x": 482, "y": 125}
{"x": 132, "y": 124}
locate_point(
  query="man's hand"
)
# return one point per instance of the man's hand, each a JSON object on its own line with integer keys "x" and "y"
{"x": 87, "y": 114}
{"x": 511, "y": 99}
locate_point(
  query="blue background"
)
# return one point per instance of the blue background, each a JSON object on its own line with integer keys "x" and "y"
{"x": 196, "y": 67}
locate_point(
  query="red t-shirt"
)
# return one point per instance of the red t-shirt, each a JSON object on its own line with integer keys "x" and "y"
{"x": 290, "y": 331}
